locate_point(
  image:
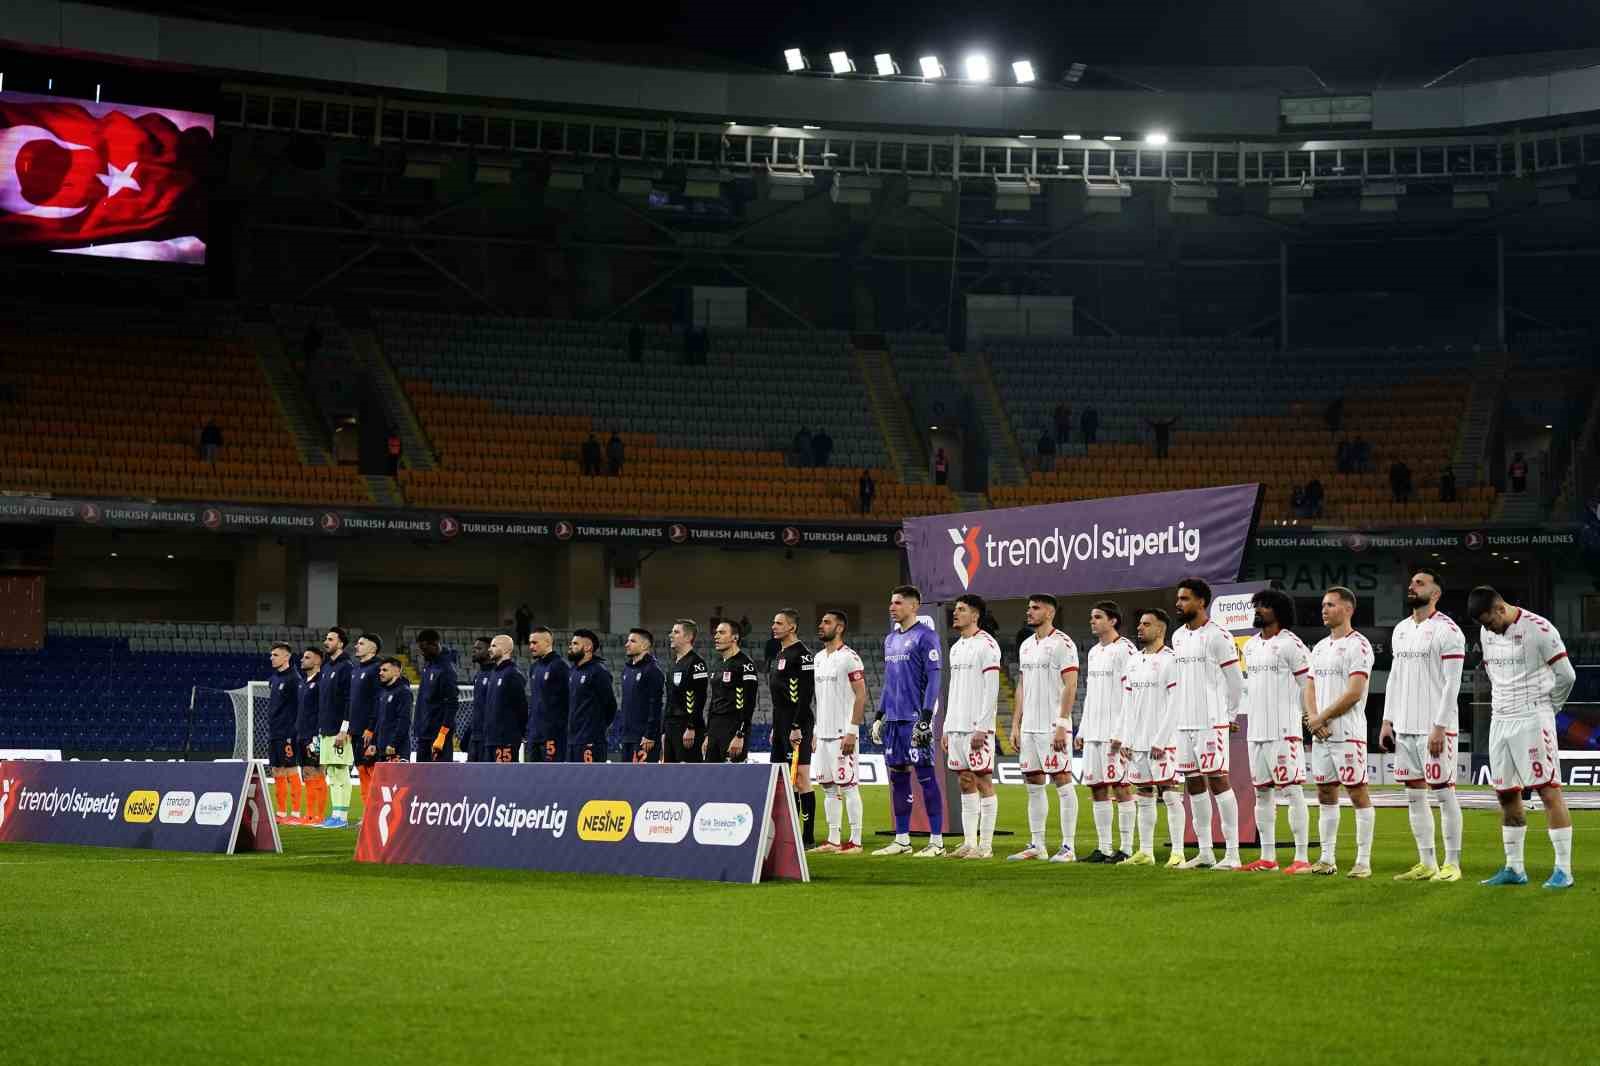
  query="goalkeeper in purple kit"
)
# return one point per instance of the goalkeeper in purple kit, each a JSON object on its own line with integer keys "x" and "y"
{"x": 904, "y": 724}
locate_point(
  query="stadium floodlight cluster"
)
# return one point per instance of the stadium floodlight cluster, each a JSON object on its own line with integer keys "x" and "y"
{"x": 976, "y": 67}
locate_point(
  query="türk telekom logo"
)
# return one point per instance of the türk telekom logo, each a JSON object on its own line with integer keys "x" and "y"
{"x": 10, "y": 792}
{"x": 966, "y": 559}
{"x": 392, "y": 813}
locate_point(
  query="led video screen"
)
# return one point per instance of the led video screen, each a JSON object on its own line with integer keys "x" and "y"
{"x": 103, "y": 179}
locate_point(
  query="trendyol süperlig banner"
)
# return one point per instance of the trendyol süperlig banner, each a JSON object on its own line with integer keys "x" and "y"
{"x": 218, "y": 807}
{"x": 710, "y": 823}
{"x": 1087, "y": 546}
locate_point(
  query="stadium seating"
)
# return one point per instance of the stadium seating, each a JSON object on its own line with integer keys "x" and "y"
{"x": 519, "y": 397}
{"x": 104, "y": 405}
{"x": 1243, "y": 416}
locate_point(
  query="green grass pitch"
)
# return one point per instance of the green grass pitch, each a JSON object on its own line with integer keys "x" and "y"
{"x": 133, "y": 957}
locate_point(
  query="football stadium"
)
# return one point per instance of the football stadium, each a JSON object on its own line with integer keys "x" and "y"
{"x": 690, "y": 538}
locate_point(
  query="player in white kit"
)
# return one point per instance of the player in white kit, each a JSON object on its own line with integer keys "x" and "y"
{"x": 969, "y": 723}
{"x": 1041, "y": 728}
{"x": 1101, "y": 732}
{"x": 1150, "y": 693}
{"x": 841, "y": 700}
{"x": 1419, "y": 723}
{"x": 1279, "y": 699}
{"x": 1209, "y": 696}
{"x": 1341, "y": 663}
{"x": 1531, "y": 678}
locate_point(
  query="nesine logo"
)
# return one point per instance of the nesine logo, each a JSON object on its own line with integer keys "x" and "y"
{"x": 966, "y": 542}
{"x": 392, "y": 812}
{"x": 141, "y": 806}
{"x": 604, "y": 820}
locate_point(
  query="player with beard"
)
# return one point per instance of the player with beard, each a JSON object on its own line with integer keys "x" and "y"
{"x": 472, "y": 736}
{"x": 438, "y": 698}
{"x": 1208, "y": 694}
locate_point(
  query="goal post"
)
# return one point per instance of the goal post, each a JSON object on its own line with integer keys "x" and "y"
{"x": 251, "y": 728}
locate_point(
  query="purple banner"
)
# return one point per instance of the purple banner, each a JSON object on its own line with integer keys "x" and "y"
{"x": 1127, "y": 542}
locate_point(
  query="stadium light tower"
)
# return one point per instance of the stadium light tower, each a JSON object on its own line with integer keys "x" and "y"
{"x": 1023, "y": 70}
{"x": 887, "y": 67}
{"x": 931, "y": 67}
{"x": 795, "y": 60}
{"x": 841, "y": 63}
{"x": 977, "y": 67}
{"x": 1155, "y": 138}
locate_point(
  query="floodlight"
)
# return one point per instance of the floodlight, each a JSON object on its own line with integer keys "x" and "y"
{"x": 1023, "y": 70}
{"x": 1156, "y": 138}
{"x": 795, "y": 60}
{"x": 841, "y": 62}
{"x": 977, "y": 67}
{"x": 887, "y": 67}
{"x": 931, "y": 67}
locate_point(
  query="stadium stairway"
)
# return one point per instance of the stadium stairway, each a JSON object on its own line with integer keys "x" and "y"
{"x": 1005, "y": 453}
{"x": 385, "y": 490}
{"x": 889, "y": 410}
{"x": 415, "y": 447}
{"x": 1566, "y": 497}
{"x": 310, "y": 442}
{"x": 1472, "y": 444}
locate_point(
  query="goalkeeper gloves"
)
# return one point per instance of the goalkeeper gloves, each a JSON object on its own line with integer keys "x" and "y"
{"x": 439, "y": 741}
{"x": 922, "y": 733}
{"x": 877, "y": 729}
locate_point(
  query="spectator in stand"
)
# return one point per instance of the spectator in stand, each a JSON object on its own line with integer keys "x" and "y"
{"x": 1447, "y": 486}
{"x": 589, "y": 456}
{"x": 211, "y": 440}
{"x": 635, "y": 344}
{"x": 1163, "y": 432}
{"x": 941, "y": 468}
{"x": 1343, "y": 460}
{"x": 1400, "y": 481}
{"x": 1047, "y": 451}
{"x": 1297, "y": 502}
{"x": 1314, "y": 498}
{"x": 524, "y": 623}
{"x": 821, "y": 447}
{"x": 1518, "y": 472}
{"x": 614, "y": 455}
{"x": 1091, "y": 424}
{"x": 1361, "y": 452}
{"x": 868, "y": 489}
{"x": 802, "y": 447}
{"x": 1063, "y": 420}
{"x": 393, "y": 447}
{"x": 1334, "y": 415}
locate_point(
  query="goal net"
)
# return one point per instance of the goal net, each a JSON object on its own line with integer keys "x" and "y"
{"x": 251, "y": 728}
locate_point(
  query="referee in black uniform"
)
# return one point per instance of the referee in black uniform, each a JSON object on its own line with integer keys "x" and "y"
{"x": 683, "y": 727}
{"x": 789, "y": 679}
{"x": 735, "y": 683}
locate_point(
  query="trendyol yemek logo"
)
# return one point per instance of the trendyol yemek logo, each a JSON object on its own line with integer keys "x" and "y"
{"x": 1057, "y": 548}
{"x": 965, "y": 559}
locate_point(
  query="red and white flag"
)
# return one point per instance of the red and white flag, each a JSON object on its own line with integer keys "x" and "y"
{"x": 75, "y": 173}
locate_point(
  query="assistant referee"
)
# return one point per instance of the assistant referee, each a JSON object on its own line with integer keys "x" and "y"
{"x": 790, "y": 676}
{"x": 684, "y": 726}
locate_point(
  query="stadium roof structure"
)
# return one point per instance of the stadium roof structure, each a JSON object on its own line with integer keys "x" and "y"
{"x": 1285, "y": 80}
{"x": 1532, "y": 64}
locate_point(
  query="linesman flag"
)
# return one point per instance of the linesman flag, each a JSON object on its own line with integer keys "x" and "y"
{"x": 75, "y": 174}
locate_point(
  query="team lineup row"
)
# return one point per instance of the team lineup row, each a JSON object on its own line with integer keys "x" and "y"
{"x": 1156, "y": 723}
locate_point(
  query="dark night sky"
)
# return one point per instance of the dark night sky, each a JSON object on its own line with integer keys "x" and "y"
{"x": 1348, "y": 42}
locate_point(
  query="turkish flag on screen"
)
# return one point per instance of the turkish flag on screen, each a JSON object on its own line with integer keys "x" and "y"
{"x": 70, "y": 178}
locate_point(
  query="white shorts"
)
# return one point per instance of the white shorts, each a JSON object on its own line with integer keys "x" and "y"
{"x": 831, "y": 766}
{"x": 1413, "y": 763}
{"x": 960, "y": 756}
{"x": 1277, "y": 763}
{"x": 1523, "y": 753}
{"x": 1039, "y": 754}
{"x": 1100, "y": 767}
{"x": 1158, "y": 767}
{"x": 1339, "y": 762}
{"x": 1203, "y": 751}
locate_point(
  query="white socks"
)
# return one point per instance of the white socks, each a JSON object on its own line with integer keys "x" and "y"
{"x": 1513, "y": 836}
{"x": 1147, "y": 822}
{"x": 1228, "y": 813}
{"x": 1328, "y": 830}
{"x": 1267, "y": 823}
{"x": 1038, "y": 811}
{"x": 1421, "y": 824}
{"x": 1102, "y": 826}
{"x": 969, "y": 819}
{"x": 1450, "y": 822}
{"x": 1200, "y": 804}
{"x": 988, "y": 809}
{"x": 1175, "y": 820}
{"x": 852, "y": 810}
{"x": 832, "y": 809}
{"x": 1127, "y": 812}
{"x": 1365, "y": 817}
{"x": 1561, "y": 839}
{"x": 1067, "y": 795}
{"x": 1299, "y": 822}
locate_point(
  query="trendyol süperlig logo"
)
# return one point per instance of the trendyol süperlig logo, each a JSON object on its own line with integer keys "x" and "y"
{"x": 392, "y": 813}
{"x": 10, "y": 792}
{"x": 966, "y": 559}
